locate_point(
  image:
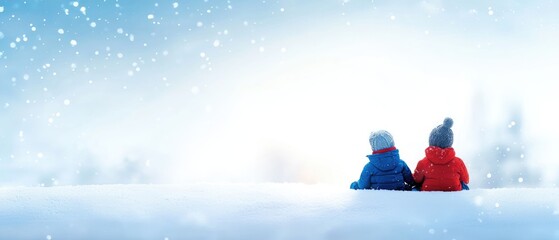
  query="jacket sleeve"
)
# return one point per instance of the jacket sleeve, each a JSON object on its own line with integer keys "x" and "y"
{"x": 408, "y": 178}
{"x": 463, "y": 171}
{"x": 365, "y": 179}
{"x": 418, "y": 174}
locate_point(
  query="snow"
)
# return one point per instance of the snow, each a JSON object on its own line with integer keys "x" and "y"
{"x": 274, "y": 211}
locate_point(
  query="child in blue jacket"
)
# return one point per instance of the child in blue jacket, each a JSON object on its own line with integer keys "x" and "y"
{"x": 385, "y": 169}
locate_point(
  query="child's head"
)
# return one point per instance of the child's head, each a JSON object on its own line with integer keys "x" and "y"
{"x": 442, "y": 135}
{"x": 381, "y": 140}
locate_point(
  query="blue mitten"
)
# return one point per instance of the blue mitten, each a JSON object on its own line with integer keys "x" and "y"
{"x": 354, "y": 185}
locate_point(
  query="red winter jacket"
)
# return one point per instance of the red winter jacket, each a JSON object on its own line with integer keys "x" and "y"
{"x": 440, "y": 170}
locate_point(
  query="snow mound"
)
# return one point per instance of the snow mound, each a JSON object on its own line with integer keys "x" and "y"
{"x": 274, "y": 211}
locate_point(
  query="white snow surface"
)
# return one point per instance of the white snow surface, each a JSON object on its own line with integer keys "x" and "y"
{"x": 274, "y": 211}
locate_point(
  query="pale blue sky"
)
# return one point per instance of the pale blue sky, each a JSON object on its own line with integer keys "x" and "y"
{"x": 182, "y": 91}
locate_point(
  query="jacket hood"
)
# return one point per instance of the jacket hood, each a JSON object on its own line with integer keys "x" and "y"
{"x": 385, "y": 161}
{"x": 439, "y": 156}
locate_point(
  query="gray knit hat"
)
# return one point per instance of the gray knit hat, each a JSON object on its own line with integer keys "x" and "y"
{"x": 380, "y": 140}
{"x": 442, "y": 136}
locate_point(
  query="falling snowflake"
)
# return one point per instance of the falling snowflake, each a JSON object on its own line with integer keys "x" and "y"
{"x": 195, "y": 90}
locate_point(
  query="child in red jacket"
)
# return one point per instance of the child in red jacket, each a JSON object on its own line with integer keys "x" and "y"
{"x": 441, "y": 170}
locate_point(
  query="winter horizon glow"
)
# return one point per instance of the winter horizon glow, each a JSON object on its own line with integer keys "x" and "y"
{"x": 178, "y": 92}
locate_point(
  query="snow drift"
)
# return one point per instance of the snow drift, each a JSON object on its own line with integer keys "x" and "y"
{"x": 274, "y": 211}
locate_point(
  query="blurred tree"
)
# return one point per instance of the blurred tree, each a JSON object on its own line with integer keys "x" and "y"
{"x": 500, "y": 159}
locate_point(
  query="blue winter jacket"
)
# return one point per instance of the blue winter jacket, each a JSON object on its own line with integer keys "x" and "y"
{"x": 385, "y": 171}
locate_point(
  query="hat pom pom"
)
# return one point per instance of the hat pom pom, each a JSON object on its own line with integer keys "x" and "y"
{"x": 448, "y": 122}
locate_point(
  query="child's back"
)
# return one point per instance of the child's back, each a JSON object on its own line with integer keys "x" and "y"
{"x": 385, "y": 169}
{"x": 440, "y": 169}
